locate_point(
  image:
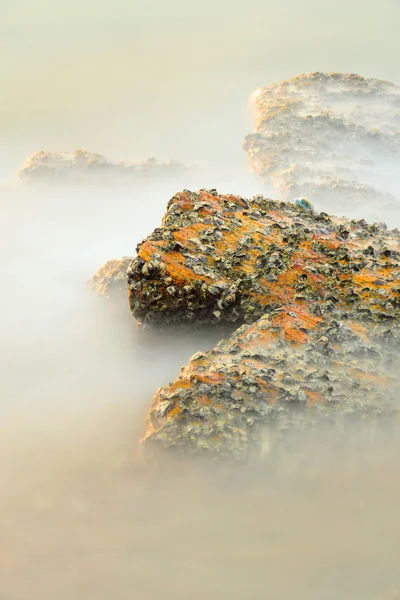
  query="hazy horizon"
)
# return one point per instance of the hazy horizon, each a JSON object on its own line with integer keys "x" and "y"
{"x": 132, "y": 80}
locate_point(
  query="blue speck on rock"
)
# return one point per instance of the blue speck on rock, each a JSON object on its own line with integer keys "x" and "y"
{"x": 304, "y": 204}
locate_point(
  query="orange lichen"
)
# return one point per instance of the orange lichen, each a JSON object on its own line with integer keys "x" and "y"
{"x": 272, "y": 393}
{"x": 314, "y": 398}
{"x": 370, "y": 378}
{"x": 175, "y": 411}
{"x": 148, "y": 248}
{"x": 203, "y": 400}
{"x": 185, "y": 234}
{"x": 210, "y": 377}
{"x": 183, "y": 383}
{"x": 359, "y": 329}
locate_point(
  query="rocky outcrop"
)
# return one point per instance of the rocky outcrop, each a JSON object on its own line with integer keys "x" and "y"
{"x": 287, "y": 373}
{"x": 321, "y": 299}
{"x": 110, "y": 281}
{"x": 231, "y": 260}
{"x": 85, "y": 167}
{"x": 332, "y": 137}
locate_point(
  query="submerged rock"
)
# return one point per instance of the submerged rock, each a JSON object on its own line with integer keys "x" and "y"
{"x": 333, "y": 137}
{"x": 287, "y": 373}
{"x": 225, "y": 259}
{"x": 110, "y": 281}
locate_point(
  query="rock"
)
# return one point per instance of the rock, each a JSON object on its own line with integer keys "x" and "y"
{"x": 288, "y": 373}
{"x": 332, "y": 137}
{"x": 110, "y": 281}
{"x": 225, "y": 259}
{"x": 320, "y": 295}
{"x": 84, "y": 167}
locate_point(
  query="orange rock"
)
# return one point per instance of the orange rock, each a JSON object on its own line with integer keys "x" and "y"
{"x": 226, "y": 259}
{"x": 289, "y": 371}
{"x": 319, "y": 294}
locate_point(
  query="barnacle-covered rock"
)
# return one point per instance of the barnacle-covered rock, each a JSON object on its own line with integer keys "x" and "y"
{"x": 287, "y": 373}
{"x": 320, "y": 295}
{"x": 110, "y": 281}
{"x": 84, "y": 167}
{"x": 230, "y": 260}
{"x": 334, "y": 138}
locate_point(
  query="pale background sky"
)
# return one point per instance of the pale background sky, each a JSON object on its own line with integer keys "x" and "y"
{"x": 133, "y": 78}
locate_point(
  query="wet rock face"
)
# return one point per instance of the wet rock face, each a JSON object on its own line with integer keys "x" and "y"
{"x": 110, "y": 281}
{"x": 225, "y": 259}
{"x": 84, "y": 167}
{"x": 289, "y": 372}
{"x": 334, "y": 138}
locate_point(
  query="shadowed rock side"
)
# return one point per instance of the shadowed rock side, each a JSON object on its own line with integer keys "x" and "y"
{"x": 332, "y": 137}
{"x": 85, "y": 167}
{"x": 110, "y": 281}
{"x": 227, "y": 259}
{"x": 288, "y": 372}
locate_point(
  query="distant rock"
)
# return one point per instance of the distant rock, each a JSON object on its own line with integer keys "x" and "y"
{"x": 84, "y": 167}
{"x": 334, "y": 138}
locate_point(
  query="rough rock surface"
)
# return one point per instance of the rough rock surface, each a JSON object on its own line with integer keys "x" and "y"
{"x": 82, "y": 166}
{"x": 110, "y": 281}
{"x": 332, "y": 137}
{"x": 288, "y": 372}
{"x": 227, "y": 259}
{"x": 321, "y": 294}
